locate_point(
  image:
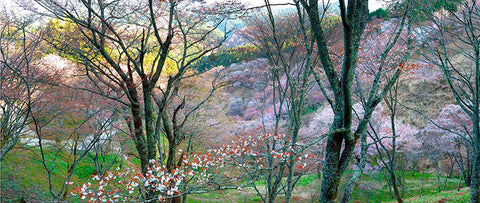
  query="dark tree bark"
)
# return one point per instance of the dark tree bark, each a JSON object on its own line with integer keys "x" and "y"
{"x": 341, "y": 141}
{"x": 354, "y": 19}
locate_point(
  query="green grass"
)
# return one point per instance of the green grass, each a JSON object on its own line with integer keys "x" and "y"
{"x": 215, "y": 194}
{"x": 22, "y": 175}
{"x": 372, "y": 188}
{"x": 449, "y": 196}
{"x": 307, "y": 179}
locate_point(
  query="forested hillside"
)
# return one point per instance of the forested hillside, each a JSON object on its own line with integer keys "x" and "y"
{"x": 224, "y": 101}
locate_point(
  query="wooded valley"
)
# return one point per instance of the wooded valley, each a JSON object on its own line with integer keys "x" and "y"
{"x": 240, "y": 101}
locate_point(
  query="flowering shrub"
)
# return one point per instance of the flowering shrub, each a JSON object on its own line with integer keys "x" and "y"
{"x": 194, "y": 174}
{"x": 121, "y": 185}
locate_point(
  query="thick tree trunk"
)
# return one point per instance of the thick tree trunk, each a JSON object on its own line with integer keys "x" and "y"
{"x": 291, "y": 165}
{"x": 172, "y": 149}
{"x": 354, "y": 19}
{"x": 170, "y": 165}
{"x": 331, "y": 171}
{"x": 475, "y": 180}
{"x": 275, "y": 185}
{"x": 150, "y": 126}
{"x": 138, "y": 137}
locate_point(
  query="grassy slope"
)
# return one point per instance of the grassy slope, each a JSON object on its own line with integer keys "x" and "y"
{"x": 447, "y": 196}
{"x": 23, "y": 176}
{"x": 372, "y": 188}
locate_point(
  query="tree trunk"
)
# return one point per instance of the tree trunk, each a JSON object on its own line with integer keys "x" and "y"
{"x": 467, "y": 178}
{"x": 438, "y": 177}
{"x": 70, "y": 167}
{"x": 354, "y": 20}
{"x": 294, "y": 136}
{"x": 475, "y": 182}
{"x": 138, "y": 136}
{"x": 449, "y": 176}
{"x": 398, "y": 196}
{"x": 421, "y": 188}
{"x": 414, "y": 168}
{"x": 149, "y": 124}
{"x": 331, "y": 171}
{"x": 347, "y": 194}
{"x": 459, "y": 183}
{"x": 5, "y": 149}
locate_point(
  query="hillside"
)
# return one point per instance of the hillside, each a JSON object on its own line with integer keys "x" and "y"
{"x": 214, "y": 101}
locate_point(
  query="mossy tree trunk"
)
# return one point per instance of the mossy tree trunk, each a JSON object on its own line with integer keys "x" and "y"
{"x": 341, "y": 141}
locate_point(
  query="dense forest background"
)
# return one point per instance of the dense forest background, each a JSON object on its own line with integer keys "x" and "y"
{"x": 224, "y": 101}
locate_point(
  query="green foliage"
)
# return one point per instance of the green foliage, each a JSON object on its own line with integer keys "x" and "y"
{"x": 449, "y": 5}
{"x": 65, "y": 39}
{"x": 220, "y": 194}
{"x": 136, "y": 161}
{"x": 21, "y": 177}
{"x": 379, "y": 13}
{"x": 423, "y": 8}
{"x": 21, "y": 173}
{"x": 331, "y": 21}
{"x": 84, "y": 170}
{"x": 226, "y": 57}
{"x": 307, "y": 179}
{"x": 372, "y": 188}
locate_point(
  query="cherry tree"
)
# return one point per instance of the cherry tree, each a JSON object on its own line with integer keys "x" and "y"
{"x": 454, "y": 129}
{"x": 65, "y": 124}
{"x": 290, "y": 57}
{"x": 341, "y": 142}
{"x": 138, "y": 53}
{"x": 453, "y": 48}
{"x": 19, "y": 76}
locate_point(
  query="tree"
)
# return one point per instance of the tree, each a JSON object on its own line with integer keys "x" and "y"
{"x": 341, "y": 141}
{"x": 19, "y": 77}
{"x": 452, "y": 117}
{"x": 199, "y": 172}
{"x": 454, "y": 49}
{"x": 397, "y": 138}
{"x": 138, "y": 53}
{"x": 66, "y": 124}
{"x": 290, "y": 54}
{"x": 448, "y": 136}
